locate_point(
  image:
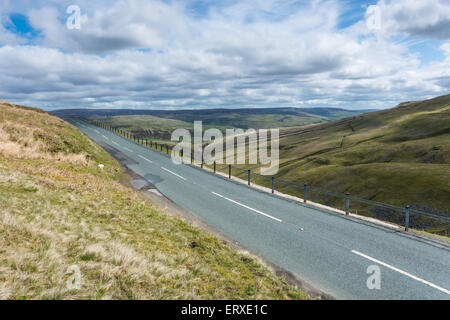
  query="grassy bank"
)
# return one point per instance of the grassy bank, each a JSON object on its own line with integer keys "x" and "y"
{"x": 58, "y": 209}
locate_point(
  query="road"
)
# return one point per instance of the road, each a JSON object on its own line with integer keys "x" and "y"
{"x": 329, "y": 251}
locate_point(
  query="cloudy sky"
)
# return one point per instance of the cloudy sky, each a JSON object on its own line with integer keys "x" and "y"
{"x": 173, "y": 54}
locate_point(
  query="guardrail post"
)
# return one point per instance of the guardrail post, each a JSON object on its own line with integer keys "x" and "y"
{"x": 249, "y": 175}
{"x": 347, "y": 204}
{"x": 407, "y": 218}
{"x": 305, "y": 193}
{"x": 167, "y": 148}
{"x": 229, "y": 171}
{"x": 273, "y": 185}
{"x": 214, "y": 167}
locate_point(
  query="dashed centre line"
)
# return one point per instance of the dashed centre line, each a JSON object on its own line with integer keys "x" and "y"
{"x": 148, "y": 160}
{"x": 401, "y": 272}
{"x": 247, "y": 207}
{"x": 175, "y": 174}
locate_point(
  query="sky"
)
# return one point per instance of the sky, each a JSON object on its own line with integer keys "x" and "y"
{"x": 194, "y": 54}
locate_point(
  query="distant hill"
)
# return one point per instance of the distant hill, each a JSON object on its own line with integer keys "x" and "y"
{"x": 159, "y": 124}
{"x": 399, "y": 156}
{"x": 238, "y": 118}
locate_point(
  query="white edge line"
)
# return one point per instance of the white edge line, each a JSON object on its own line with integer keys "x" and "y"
{"x": 145, "y": 158}
{"x": 174, "y": 173}
{"x": 247, "y": 207}
{"x": 402, "y": 272}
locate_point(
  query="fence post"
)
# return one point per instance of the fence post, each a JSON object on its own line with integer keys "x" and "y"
{"x": 249, "y": 175}
{"x": 182, "y": 155}
{"x": 229, "y": 171}
{"x": 347, "y": 204}
{"x": 273, "y": 185}
{"x": 214, "y": 167}
{"x": 305, "y": 193}
{"x": 407, "y": 219}
{"x": 167, "y": 148}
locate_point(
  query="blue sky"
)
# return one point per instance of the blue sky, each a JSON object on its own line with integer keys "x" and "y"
{"x": 209, "y": 54}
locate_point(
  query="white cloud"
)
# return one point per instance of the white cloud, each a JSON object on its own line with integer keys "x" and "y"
{"x": 250, "y": 54}
{"x": 430, "y": 18}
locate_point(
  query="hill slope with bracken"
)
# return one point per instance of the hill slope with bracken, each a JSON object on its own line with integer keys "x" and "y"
{"x": 399, "y": 156}
{"x": 59, "y": 209}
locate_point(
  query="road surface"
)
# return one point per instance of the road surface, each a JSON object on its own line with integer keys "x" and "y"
{"x": 329, "y": 251}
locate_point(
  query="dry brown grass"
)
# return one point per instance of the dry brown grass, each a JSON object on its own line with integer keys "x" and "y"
{"x": 18, "y": 140}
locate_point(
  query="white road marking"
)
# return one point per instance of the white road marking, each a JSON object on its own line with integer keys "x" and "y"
{"x": 97, "y": 131}
{"x": 105, "y": 137}
{"x": 402, "y": 272}
{"x": 145, "y": 159}
{"x": 174, "y": 173}
{"x": 247, "y": 207}
{"x": 128, "y": 149}
{"x": 115, "y": 143}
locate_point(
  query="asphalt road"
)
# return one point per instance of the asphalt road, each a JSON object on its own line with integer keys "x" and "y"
{"x": 332, "y": 253}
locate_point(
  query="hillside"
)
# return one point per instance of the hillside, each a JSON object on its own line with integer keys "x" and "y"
{"x": 399, "y": 156}
{"x": 59, "y": 209}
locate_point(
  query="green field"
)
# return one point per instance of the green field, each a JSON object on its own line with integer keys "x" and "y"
{"x": 150, "y": 127}
{"x": 59, "y": 209}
